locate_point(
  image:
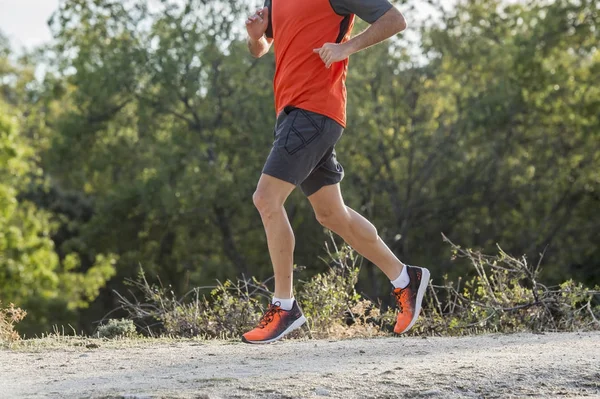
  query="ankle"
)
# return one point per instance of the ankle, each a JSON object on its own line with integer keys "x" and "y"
{"x": 284, "y": 303}
{"x": 402, "y": 280}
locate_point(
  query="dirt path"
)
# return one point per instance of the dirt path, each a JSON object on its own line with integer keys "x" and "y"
{"x": 520, "y": 365}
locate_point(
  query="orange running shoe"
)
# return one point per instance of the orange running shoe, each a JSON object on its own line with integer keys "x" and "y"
{"x": 409, "y": 299}
{"x": 275, "y": 324}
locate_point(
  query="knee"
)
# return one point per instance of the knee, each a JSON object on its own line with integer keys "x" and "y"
{"x": 264, "y": 203}
{"x": 332, "y": 219}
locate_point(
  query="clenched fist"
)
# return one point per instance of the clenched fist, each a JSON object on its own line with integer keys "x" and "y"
{"x": 332, "y": 52}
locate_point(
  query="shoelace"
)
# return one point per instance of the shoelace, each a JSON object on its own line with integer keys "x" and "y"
{"x": 269, "y": 315}
{"x": 398, "y": 295}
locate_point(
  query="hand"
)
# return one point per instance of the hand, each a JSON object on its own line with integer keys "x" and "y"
{"x": 332, "y": 52}
{"x": 257, "y": 24}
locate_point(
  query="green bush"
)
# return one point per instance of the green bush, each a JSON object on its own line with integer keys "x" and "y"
{"x": 122, "y": 328}
{"x": 232, "y": 308}
{"x": 229, "y": 310}
{"x": 327, "y": 298}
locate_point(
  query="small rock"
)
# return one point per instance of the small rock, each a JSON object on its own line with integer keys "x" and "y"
{"x": 322, "y": 392}
{"x": 92, "y": 346}
{"x": 361, "y": 351}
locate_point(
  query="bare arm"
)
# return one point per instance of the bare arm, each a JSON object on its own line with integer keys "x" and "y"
{"x": 388, "y": 25}
{"x": 256, "y": 25}
{"x": 259, "y": 47}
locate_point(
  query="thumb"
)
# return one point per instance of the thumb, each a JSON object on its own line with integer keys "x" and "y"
{"x": 265, "y": 12}
{"x": 316, "y": 50}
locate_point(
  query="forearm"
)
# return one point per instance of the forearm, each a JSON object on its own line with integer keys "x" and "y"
{"x": 259, "y": 47}
{"x": 388, "y": 25}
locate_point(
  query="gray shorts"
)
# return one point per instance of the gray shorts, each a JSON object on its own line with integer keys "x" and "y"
{"x": 303, "y": 152}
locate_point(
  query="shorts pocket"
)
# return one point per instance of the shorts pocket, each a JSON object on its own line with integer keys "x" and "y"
{"x": 305, "y": 128}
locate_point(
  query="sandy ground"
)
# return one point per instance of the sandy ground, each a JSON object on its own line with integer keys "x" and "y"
{"x": 491, "y": 366}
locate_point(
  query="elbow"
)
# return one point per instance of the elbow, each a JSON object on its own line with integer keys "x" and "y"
{"x": 400, "y": 24}
{"x": 257, "y": 53}
{"x": 398, "y": 20}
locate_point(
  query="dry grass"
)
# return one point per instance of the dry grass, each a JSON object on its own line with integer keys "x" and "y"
{"x": 9, "y": 317}
{"x": 503, "y": 295}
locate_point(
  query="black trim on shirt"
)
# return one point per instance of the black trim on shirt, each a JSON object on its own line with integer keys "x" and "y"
{"x": 269, "y": 31}
{"x": 344, "y": 25}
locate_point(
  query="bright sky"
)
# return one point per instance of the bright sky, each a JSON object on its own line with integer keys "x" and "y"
{"x": 25, "y": 21}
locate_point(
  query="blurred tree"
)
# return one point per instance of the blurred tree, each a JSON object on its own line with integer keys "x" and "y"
{"x": 165, "y": 131}
{"x": 32, "y": 275}
{"x": 494, "y": 140}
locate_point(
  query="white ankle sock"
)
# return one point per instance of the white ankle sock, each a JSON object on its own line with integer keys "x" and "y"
{"x": 402, "y": 280}
{"x": 285, "y": 304}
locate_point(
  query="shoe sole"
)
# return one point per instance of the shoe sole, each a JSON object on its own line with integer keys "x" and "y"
{"x": 295, "y": 325}
{"x": 420, "y": 295}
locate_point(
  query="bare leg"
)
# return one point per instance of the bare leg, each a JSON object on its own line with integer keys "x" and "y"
{"x": 357, "y": 231}
{"x": 269, "y": 197}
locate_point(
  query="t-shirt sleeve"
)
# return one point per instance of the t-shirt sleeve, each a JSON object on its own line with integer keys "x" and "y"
{"x": 269, "y": 31}
{"x": 367, "y": 10}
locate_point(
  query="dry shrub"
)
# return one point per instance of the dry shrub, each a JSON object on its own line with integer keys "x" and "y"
{"x": 115, "y": 328}
{"x": 505, "y": 295}
{"x": 9, "y": 317}
{"x": 229, "y": 310}
{"x": 327, "y": 298}
{"x": 233, "y": 307}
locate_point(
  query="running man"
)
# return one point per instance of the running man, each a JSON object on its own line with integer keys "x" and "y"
{"x": 312, "y": 45}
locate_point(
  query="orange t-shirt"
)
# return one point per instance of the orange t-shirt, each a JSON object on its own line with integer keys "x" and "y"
{"x": 299, "y": 26}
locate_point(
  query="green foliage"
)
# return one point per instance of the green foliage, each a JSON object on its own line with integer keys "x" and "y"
{"x": 32, "y": 274}
{"x": 163, "y": 136}
{"x": 326, "y": 298}
{"x": 115, "y": 328}
{"x": 228, "y": 312}
{"x": 493, "y": 140}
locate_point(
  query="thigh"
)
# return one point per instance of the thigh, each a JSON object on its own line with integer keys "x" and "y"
{"x": 327, "y": 201}
{"x": 274, "y": 189}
